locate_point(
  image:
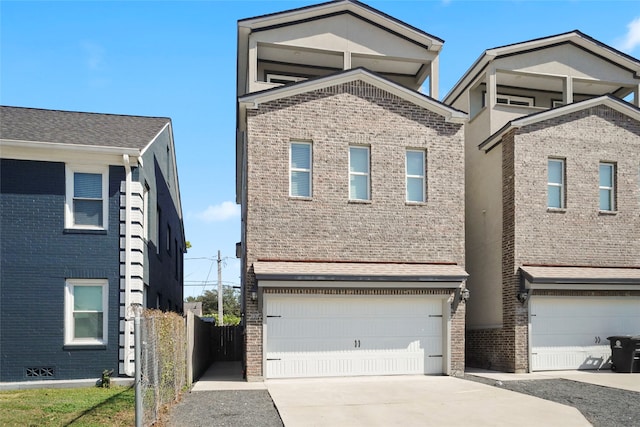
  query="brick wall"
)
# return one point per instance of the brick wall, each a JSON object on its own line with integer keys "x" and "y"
{"x": 329, "y": 226}
{"x": 578, "y": 235}
{"x": 37, "y": 256}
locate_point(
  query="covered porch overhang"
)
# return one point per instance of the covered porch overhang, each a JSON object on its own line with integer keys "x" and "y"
{"x": 580, "y": 278}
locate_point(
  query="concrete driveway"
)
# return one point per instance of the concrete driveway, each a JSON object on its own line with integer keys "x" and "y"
{"x": 411, "y": 401}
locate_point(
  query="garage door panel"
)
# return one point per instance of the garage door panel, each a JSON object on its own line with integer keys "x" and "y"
{"x": 571, "y": 333}
{"x": 311, "y": 336}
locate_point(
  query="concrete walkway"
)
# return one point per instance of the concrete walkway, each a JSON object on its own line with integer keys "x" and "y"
{"x": 225, "y": 376}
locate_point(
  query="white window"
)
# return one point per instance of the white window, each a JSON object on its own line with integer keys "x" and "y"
{"x": 555, "y": 183}
{"x": 359, "y": 173}
{"x": 86, "y": 197}
{"x": 607, "y": 187}
{"x": 415, "y": 170}
{"x": 300, "y": 169}
{"x": 283, "y": 79}
{"x": 511, "y": 100}
{"x": 514, "y": 100}
{"x": 86, "y": 302}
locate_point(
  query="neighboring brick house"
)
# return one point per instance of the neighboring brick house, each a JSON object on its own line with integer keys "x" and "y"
{"x": 90, "y": 223}
{"x": 552, "y": 203}
{"x": 352, "y": 191}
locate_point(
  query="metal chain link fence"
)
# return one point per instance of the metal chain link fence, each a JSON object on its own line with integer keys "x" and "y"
{"x": 163, "y": 361}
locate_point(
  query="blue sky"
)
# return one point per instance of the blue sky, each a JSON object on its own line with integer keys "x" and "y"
{"x": 178, "y": 60}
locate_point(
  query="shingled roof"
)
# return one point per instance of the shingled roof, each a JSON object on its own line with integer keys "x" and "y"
{"x": 77, "y": 128}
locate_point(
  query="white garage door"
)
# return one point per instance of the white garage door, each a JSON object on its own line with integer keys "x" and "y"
{"x": 571, "y": 332}
{"x": 320, "y": 336}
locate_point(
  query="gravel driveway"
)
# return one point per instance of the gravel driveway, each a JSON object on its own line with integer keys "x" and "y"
{"x": 601, "y": 406}
{"x": 237, "y": 408}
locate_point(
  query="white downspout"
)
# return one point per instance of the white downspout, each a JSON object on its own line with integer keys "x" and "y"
{"x": 127, "y": 264}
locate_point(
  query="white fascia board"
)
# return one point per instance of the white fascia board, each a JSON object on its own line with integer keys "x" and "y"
{"x": 176, "y": 182}
{"x": 615, "y": 104}
{"x": 57, "y": 152}
{"x": 146, "y": 147}
{"x": 618, "y": 105}
{"x": 321, "y": 10}
{"x": 587, "y": 43}
{"x": 581, "y": 40}
{"x": 252, "y": 101}
{"x": 466, "y": 79}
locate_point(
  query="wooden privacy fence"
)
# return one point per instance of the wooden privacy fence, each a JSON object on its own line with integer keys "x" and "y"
{"x": 227, "y": 343}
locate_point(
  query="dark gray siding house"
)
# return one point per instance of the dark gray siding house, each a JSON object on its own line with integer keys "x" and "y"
{"x": 90, "y": 223}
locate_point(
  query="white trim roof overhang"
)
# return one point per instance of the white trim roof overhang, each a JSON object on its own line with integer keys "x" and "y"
{"x": 577, "y": 38}
{"x": 58, "y": 152}
{"x": 580, "y": 278}
{"x": 358, "y": 274}
{"x": 352, "y": 7}
{"x": 607, "y": 100}
{"x": 253, "y": 100}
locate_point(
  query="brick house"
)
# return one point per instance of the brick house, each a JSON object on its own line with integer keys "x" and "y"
{"x": 91, "y": 222}
{"x": 352, "y": 185}
{"x": 552, "y": 168}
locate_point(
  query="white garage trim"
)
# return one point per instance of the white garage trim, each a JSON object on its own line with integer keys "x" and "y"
{"x": 570, "y": 332}
{"x": 349, "y": 335}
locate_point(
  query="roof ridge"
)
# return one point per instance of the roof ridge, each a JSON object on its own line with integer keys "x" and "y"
{"x": 85, "y": 112}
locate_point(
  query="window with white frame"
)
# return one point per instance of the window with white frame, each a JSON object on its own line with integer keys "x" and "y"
{"x": 86, "y": 319}
{"x": 555, "y": 184}
{"x": 607, "y": 186}
{"x": 86, "y": 197}
{"x": 525, "y": 101}
{"x": 283, "y": 78}
{"x": 359, "y": 166}
{"x": 514, "y": 100}
{"x": 300, "y": 177}
{"x": 415, "y": 175}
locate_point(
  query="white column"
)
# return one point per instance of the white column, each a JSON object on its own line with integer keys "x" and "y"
{"x": 253, "y": 65}
{"x": 567, "y": 90}
{"x": 434, "y": 80}
{"x": 346, "y": 59}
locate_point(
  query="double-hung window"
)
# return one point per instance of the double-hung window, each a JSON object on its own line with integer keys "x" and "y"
{"x": 555, "y": 184}
{"x": 359, "y": 166}
{"x": 300, "y": 178}
{"x": 86, "y": 197}
{"x": 415, "y": 171}
{"x": 607, "y": 186}
{"x": 86, "y": 302}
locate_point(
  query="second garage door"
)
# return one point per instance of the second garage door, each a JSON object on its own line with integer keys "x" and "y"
{"x": 344, "y": 335}
{"x": 571, "y": 332}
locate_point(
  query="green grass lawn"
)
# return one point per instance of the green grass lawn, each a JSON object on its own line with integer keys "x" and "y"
{"x": 63, "y": 407}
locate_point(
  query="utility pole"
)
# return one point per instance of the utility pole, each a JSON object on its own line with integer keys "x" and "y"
{"x": 220, "y": 311}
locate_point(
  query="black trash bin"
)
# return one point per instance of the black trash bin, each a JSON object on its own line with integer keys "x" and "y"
{"x": 625, "y": 353}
